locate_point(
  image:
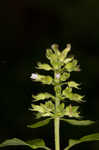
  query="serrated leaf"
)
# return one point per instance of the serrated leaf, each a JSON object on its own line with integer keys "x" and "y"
{"x": 39, "y": 123}
{"x": 46, "y": 67}
{"x": 78, "y": 122}
{"x": 42, "y": 96}
{"x": 34, "y": 144}
{"x": 88, "y": 138}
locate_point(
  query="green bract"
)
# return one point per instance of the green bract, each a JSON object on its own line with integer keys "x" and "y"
{"x": 44, "y": 66}
{"x": 42, "y": 96}
{"x": 73, "y": 84}
{"x": 62, "y": 105}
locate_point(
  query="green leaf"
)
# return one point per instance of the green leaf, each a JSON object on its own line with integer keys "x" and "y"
{"x": 41, "y": 78}
{"x": 64, "y": 76}
{"x": 46, "y": 79}
{"x": 88, "y": 138}
{"x": 44, "y": 66}
{"x": 49, "y": 106}
{"x": 60, "y": 108}
{"x": 76, "y": 97}
{"x": 37, "y": 143}
{"x": 72, "y": 66}
{"x": 65, "y": 52}
{"x": 34, "y": 144}
{"x": 78, "y": 122}
{"x": 39, "y": 123}
{"x": 55, "y": 48}
{"x": 67, "y": 92}
{"x": 49, "y": 54}
{"x": 72, "y": 111}
{"x": 67, "y": 60}
{"x": 73, "y": 84}
{"x": 38, "y": 108}
{"x": 13, "y": 142}
{"x": 42, "y": 96}
{"x": 46, "y": 109}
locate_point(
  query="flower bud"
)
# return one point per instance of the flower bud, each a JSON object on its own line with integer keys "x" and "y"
{"x": 57, "y": 75}
{"x": 34, "y": 76}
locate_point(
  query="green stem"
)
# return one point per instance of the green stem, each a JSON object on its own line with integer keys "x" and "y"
{"x": 56, "y": 133}
{"x": 57, "y": 125}
{"x": 57, "y": 119}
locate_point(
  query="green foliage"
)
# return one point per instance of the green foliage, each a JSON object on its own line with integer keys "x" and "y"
{"x": 40, "y": 123}
{"x": 44, "y": 66}
{"x": 67, "y": 93}
{"x": 88, "y": 138}
{"x": 42, "y": 96}
{"x": 72, "y": 111}
{"x": 45, "y": 109}
{"x": 64, "y": 76}
{"x": 13, "y": 142}
{"x": 43, "y": 79}
{"x": 73, "y": 84}
{"x": 55, "y": 106}
{"x": 78, "y": 122}
{"x": 72, "y": 66}
{"x": 34, "y": 144}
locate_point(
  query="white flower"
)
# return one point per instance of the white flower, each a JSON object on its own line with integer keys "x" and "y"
{"x": 34, "y": 76}
{"x": 57, "y": 75}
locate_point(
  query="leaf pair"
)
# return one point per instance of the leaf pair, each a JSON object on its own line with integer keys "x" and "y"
{"x": 39, "y": 143}
{"x": 75, "y": 122}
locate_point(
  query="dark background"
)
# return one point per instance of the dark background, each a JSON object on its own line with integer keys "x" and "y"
{"x": 27, "y": 28}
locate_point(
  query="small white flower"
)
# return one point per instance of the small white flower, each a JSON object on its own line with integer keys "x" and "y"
{"x": 34, "y": 76}
{"x": 57, "y": 75}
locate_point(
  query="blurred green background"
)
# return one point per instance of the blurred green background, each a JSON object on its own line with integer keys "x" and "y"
{"x": 27, "y": 28}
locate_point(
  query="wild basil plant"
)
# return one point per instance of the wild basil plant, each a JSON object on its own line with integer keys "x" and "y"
{"x": 63, "y": 105}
